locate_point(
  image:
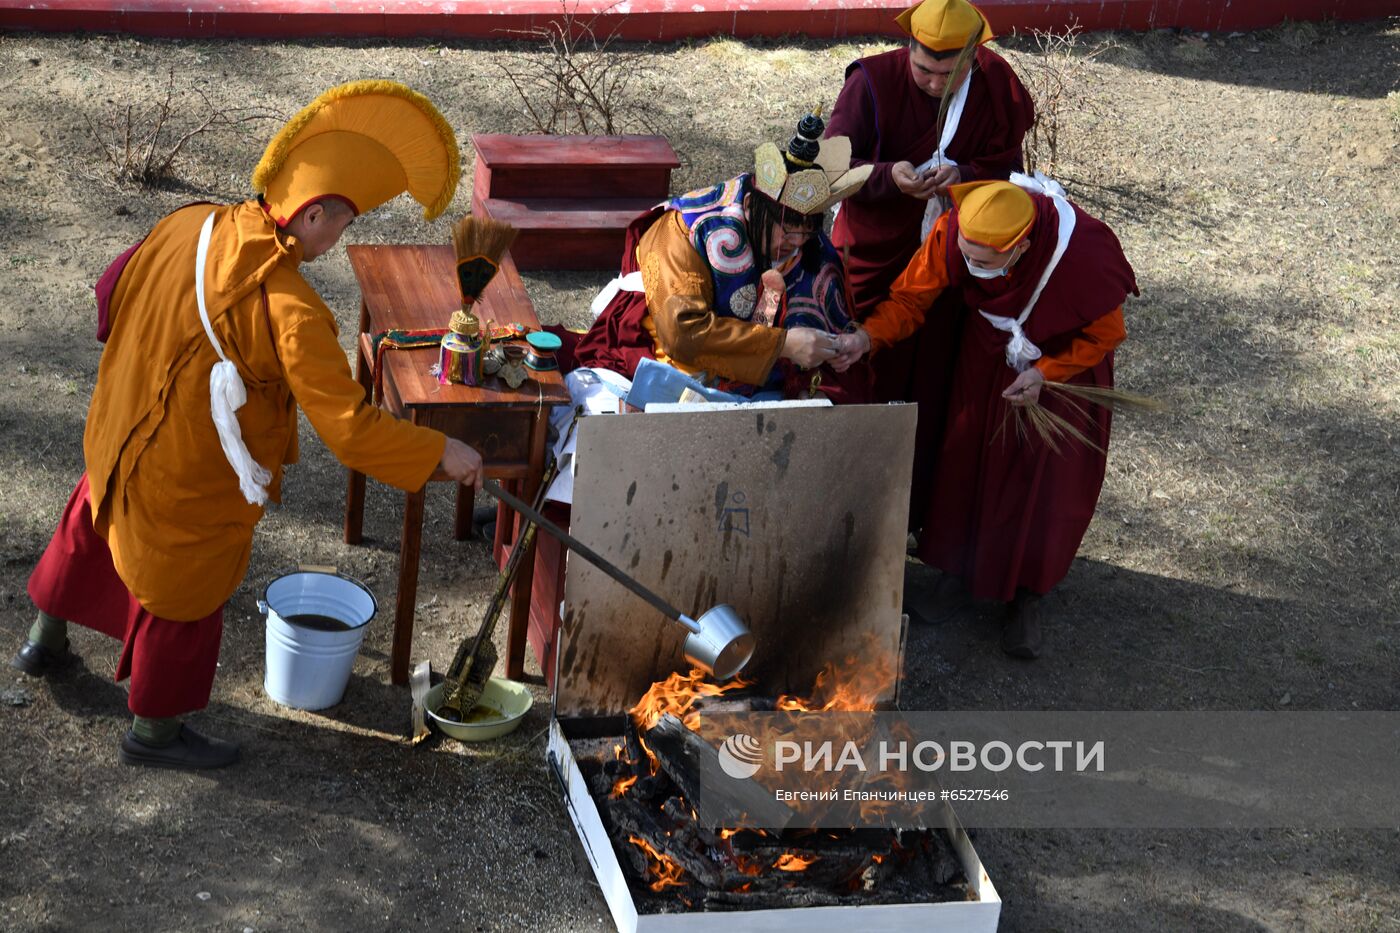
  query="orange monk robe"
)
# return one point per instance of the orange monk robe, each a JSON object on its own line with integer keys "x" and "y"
{"x": 924, "y": 279}
{"x": 681, "y": 319}
{"x": 163, "y": 495}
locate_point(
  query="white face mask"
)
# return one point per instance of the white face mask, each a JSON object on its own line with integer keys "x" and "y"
{"x": 987, "y": 273}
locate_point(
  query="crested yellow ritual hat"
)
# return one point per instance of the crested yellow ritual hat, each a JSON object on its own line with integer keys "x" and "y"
{"x": 812, "y": 173}
{"x": 944, "y": 25}
{"x": 997, "y": 214}
{"x": 364, "y": 142}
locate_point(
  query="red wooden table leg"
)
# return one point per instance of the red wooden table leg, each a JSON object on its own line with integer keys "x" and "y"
{"x": 462, "y": 521}
{"x": 524, "y": 581}
{"x": 410, "y": 546}
{"x": 355, "y": 482}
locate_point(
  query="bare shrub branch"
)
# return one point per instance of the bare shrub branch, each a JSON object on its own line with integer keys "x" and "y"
{"x": 1056, "y": 75}
{"x": 576, "y": 82}
{"x": 141, "y": 146}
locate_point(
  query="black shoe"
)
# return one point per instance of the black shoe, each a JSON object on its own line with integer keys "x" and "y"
{"x": 189, "y": 752}
{"x": 36, "y": 660}
{"x": 1020, "y": 634}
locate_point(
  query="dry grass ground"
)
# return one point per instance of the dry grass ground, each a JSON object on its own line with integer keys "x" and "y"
{"x": 1243, "y": 556}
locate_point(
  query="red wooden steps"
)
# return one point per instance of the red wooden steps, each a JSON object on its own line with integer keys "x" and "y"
{"x": 571, "y": 197}
{"x": 559, "y": 233}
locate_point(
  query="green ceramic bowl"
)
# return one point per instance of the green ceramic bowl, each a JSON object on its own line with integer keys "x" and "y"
{"x": 509, "y": 698}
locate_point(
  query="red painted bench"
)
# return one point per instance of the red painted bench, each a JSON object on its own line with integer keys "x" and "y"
{"x": 571, "y": 197}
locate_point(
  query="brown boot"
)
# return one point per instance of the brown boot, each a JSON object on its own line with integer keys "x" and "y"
{"x": 943, "y": 603}
{"x": 1020, "y": 633}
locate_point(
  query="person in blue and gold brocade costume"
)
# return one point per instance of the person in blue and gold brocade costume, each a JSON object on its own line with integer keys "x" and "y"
{"x": 738, "y": 281}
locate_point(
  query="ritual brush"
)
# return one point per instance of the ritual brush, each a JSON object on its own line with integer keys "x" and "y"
{"x": 480, "y": 242}
{"x": 476, "y": 656}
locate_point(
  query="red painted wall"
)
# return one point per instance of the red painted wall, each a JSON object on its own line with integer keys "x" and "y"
{"x": 638, "y": 19}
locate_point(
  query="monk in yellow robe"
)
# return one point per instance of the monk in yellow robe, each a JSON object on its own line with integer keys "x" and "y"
{"x": 213, "y": 340}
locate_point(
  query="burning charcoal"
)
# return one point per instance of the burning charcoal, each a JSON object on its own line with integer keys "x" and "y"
{"x": 616, "y": 768}
{"x": 649, "y": 787}
{"x": 769, "y": 900}
{"x": 878, "y": 872}
{"x": 634, "y": 818}
{"x": 677, "y": 810}
{"x": 946, "y": 869}
{"x": 631, "y": 744}
{"x": 634, "y": 860}
{"x": 600, "y": 785}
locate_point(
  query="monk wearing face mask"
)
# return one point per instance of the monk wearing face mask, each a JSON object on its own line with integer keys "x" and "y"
{"x": 1046, "y": 284}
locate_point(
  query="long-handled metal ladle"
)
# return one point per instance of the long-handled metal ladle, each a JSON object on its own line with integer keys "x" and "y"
{"x": 718, "y": 641}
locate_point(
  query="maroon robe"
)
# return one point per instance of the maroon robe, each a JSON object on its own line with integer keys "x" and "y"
{"x": 1007, "y": 512}
{"x": 171, "y": 665}
{"x": 889, "y": 120}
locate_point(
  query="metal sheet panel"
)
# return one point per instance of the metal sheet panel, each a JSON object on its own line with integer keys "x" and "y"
{"x": 797, "y": 517}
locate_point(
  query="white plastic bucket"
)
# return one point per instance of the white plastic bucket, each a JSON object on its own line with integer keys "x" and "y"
{"x": 308, "y": 668}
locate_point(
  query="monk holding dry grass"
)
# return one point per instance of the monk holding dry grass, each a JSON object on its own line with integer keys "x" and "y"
{"x": 1018, "y": 475}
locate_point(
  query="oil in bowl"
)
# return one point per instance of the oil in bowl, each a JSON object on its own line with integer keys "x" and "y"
{"x": 500, "y": 710}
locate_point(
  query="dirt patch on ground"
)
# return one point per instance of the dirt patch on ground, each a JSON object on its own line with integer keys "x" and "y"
{"x": 1242, "y": 557}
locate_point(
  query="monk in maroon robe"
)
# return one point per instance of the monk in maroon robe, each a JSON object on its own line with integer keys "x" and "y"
{"x": 889, "y": 109}
{"x": 1047, "y": 284}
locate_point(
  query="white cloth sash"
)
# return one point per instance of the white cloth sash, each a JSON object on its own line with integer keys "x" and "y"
{"x": 938, "y": 203}
{"x": 631, "y": 282}
{"x": 227, "y": 393}
{"x": 1020, "y": 351}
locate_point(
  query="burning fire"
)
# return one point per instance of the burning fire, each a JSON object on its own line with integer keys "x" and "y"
{"x": 854, "y": 685}
{"x": 667, "y": 872}
{"x": 790, "y": 862}
{"x": 676, "y": 695}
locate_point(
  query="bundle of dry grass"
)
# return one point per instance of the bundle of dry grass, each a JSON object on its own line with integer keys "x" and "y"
{"x": 1115, "y": 399}
{"x": 1055, "y": 430}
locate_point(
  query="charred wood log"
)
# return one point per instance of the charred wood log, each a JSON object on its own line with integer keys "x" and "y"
{"x": 631, "y": 817}
{"x": 691, "y": 762}
{"x": 770, "y": 900}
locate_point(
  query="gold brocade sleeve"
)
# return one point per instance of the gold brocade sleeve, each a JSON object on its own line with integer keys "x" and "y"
{"x": 680, "y": 300}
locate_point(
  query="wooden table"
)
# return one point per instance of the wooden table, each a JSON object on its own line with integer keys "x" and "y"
{"x": 413, "y": 287}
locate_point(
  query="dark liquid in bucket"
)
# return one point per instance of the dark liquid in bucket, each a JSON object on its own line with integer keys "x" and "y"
{"x": 319, "y": 623}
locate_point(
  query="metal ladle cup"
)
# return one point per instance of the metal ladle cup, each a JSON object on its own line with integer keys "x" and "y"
{"x": 719, "y": 641}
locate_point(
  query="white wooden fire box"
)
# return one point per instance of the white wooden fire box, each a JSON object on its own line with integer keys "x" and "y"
{"x": 797, "y": 518}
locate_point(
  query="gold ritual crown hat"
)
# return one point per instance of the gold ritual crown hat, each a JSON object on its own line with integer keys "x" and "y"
{"x": 364, "y": 142}
{"x": 813, "y": 173}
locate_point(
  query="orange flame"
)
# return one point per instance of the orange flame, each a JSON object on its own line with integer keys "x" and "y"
{"x": 666, "y": 871}
{"x": 856, "y": 684}
{"x": 790, "y": 862}
{"x": 676, "y": 695}
{"x": 622, "y": 786}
